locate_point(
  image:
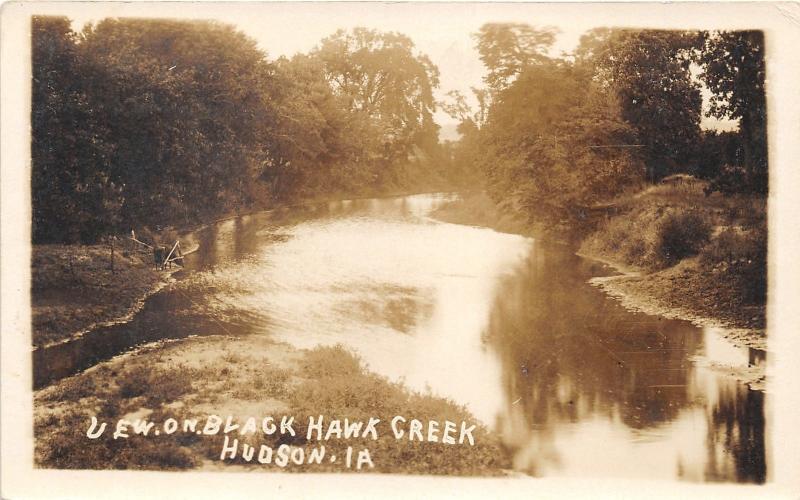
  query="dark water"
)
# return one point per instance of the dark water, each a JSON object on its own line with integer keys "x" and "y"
{"x": 573, "y": 383}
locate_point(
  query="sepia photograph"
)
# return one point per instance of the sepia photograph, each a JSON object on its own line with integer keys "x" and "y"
{"x": 457, "y": 240}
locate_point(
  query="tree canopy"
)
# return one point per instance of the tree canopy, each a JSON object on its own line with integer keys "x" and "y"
{"x": 734, "y": 71}
{"x": 506, "y": 49}
{"x": 554, "y": 136}
{"x": 155, "y": 122}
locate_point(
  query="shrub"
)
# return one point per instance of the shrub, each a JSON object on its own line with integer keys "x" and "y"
{"x": 681, "y": 234}
{"x": 742, "y": 255}
{"x": 168, "y": 385}
{"x": 327, "y": 361}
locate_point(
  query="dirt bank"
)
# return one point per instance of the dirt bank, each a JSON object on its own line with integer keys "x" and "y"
{"x": 245, "y": 377}
{"x": 74, "y": 288}
{"x": 690, "y": 256}
{"x": 665, "y": 293}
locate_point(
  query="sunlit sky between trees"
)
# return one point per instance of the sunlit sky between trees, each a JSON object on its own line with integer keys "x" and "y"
{"x": 442, "y": 31}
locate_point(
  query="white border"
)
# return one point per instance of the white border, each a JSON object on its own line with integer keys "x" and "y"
{"x": 782, "y": 25}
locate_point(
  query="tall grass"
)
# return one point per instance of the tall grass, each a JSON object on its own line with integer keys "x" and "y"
{"x": 665, "y": 224}
{"x": 741, "y": 257}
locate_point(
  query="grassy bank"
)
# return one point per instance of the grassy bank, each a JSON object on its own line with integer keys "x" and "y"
{"x": 76, "y": 287}
{"x": 701, "y": 257}
{"x": 243, "y": 377}
{"x": 686, "y": 254}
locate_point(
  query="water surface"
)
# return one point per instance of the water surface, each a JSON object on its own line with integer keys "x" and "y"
{"x": 509, "y": 327}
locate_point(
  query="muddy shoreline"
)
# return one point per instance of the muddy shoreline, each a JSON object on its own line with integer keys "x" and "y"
{"x": 75, "y": 289}
{"x": 632, "y": 290}
{"x": 636, "y": 292}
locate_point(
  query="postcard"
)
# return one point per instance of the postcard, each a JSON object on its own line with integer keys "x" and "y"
{"x": 399, "y": 249}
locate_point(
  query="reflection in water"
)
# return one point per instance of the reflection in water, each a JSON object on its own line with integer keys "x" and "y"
{"x": 595, "y": 389}
{"x": 573, "y": 383}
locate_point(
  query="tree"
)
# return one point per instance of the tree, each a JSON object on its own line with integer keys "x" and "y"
{"x": 187, "y": 106}
{"x": 382, "y": 81}
{"x": 319, "y": 142}
{"x": 506, "y": 49}
{"x": 546, "y": 144}
{"x": 649, "y": 70}
{"x": 455, "y": 105}
{"x": 734, "y": 71}
{"x": 73, "y": 197}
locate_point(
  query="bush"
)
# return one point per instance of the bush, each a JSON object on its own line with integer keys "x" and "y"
{"x": 331, "y": 361}
{"x": 742, "y": 255}
{"x": 135, "y": 382}
{"x": 681, "y": 234}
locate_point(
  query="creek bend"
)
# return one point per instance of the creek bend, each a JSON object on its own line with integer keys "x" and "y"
{"x": 507, "y": 326}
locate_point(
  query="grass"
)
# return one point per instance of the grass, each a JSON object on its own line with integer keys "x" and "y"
{"x": 336, "y": 385}
{"x": 180, "y": 380}
{"x": 73, "y": 287}
{"x": 64, "y": 411}
{"x": 663, "y": 224}
{"x": 740, "y": 254}
{"x": 156, "y": 385}
{"x": 706, "y": 254}
{"x": 651, "y": 236}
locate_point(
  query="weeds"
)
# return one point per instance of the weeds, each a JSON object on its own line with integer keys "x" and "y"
{"x": 681, "y": 234}
{"x": 73, "y": 389}
{"x": 327, "y": 381}
{"x": 342, "y": 388}
{"x": 664, "y": 225}
{"x": 742, "y": 257}
{"x": 158, "y": 385}
{"x": 668, "y": 223}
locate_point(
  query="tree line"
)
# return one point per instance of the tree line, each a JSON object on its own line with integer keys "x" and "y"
{"x": 554, "y": 135}
{"x": 154, "y": 122}
{"x": 141, "y": 122}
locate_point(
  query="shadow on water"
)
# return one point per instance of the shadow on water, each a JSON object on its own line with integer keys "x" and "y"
{"x": 178, "y": 311}
{"x": 581, "y": 369}
{"x": 153, "y": 322}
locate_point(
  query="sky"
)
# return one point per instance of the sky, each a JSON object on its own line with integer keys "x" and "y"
{"x": 443, "y": 31}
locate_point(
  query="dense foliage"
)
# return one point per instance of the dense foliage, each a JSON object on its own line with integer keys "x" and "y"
{"x": 156, "y": 122}
{"x": 153, "y": 122}
{"x": 556, "y": 136}
{"x": 735, "y": 73}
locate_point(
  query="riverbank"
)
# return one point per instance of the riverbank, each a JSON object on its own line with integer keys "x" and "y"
{"x": 688, "y": 255}
{"x": 76, "y": 288}
{"x": 678, "y": 253}
{"x": 246, "y": 377}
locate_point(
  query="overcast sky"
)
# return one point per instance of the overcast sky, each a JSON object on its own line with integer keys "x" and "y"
{"x": 443, "y": 31}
